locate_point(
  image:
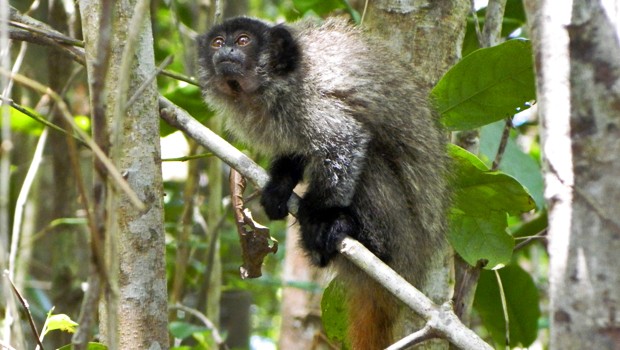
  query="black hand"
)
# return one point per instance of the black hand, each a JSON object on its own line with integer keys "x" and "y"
{"x": 285, "y": 172}
{"x": 323, "y": 229}
{"x": 274, "y": 199}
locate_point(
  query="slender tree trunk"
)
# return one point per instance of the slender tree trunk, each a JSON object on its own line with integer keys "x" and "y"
{"x": 577, "y": 65}
{"x": 430, "y": 35}
{"x": 301, "y": 321}
{"x": 136, "y": 302}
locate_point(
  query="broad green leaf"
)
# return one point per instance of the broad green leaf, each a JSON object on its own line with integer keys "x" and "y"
{"x": 522, "y": 303}
{"x": 479, "y": 237}
{"x": 334, "y": 312}
{"x": 514, "y": 162}
{"x": 481, "y": 202}
{"x": 488, "y": 85}
{"x": 479, "y": 190}
{"x": 60, "y": 322}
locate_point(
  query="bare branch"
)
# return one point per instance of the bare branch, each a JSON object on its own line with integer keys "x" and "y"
{"x": 118, "y": 179}
{"x": 214, "y": 331}
{"x": 24, "y": 303}
{"x": 493, "y": 22}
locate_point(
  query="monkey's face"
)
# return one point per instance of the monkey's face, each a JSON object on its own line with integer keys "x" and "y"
{"x": 230, "y": 56}
{"x": 240, "y": 55}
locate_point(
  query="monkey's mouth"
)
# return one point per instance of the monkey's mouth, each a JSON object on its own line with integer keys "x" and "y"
{"x": 230, "y": 68}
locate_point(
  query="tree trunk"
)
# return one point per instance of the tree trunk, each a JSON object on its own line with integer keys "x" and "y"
{"x": 430, "y": 35}
{"x": 301, "y": 321}
{"x": 577, "y": 60}
{"x": 136, "y": 304}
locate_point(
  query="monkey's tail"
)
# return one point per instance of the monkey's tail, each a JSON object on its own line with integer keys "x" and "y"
{"x": 372, "y": 314}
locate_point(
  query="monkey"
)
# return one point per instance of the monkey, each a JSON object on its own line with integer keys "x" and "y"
{"x": 337, "y": 109}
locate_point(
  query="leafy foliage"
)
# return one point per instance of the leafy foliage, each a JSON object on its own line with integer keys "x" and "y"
{"x": 334, "y": 312}
{"x": 488, "y": 85}
{"x": 482, "y": 201}
{"x": 523, "y": 167}
{"x": 60, "y": 322}
{"x": 521, "y": 302}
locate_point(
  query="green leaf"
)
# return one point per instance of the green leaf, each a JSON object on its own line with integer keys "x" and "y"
{"x": 60, "y": 322}
{"x": 479, "y": 190}
{"x": 488, "y": 85}
{"x": 182, "y": 330}
{"x": 522, "y": 303}
{"x": 83, "y": 122}
{"x": 21, "y": 122}
{"x": 478, "y": 218}
{"x": 481, "y": 237}
{"x": 515, "y": 162}
{"x": 334, "y": 312}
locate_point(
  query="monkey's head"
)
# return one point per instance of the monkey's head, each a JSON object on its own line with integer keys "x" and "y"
{"x": 242, "y": 54}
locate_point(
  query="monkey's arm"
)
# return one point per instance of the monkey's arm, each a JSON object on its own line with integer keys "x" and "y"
{"x": 285, "y": 173}
{"x": 325, "y": 211}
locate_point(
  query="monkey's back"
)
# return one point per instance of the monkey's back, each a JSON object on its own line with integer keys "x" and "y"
{"x": 402, "y": 193}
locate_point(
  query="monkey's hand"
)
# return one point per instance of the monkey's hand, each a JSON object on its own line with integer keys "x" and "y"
{"x": 322, "y": 229}
{"x": 285, "y": 172}
{"x": 274, "y": 199}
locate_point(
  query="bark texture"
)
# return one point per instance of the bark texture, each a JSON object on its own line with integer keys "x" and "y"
{"x": 576, "y": 56}
{"x": 136, "y": 264}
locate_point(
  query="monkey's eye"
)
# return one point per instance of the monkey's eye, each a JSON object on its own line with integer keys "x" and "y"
{"x": 243, "y": 40}
{"x": 217, "y": 42}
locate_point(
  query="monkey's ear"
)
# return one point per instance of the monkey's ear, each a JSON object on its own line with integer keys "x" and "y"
{"x": 284, "y": 51}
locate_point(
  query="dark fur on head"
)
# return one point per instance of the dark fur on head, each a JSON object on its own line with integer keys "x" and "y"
{"x": 271, "y": 52}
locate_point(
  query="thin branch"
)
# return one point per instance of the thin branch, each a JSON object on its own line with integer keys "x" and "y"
{"x": 502, "y": 144}
{"x": 492, "y": 31}
{"x": 188, "y": 158}
{"x": 146, "y": 83}
{"x": 441, "y": 318}
{"x": 540, "y": 235}
{"x": 39, "y": 118}
{"x": 180, "y": 119}
{"x": 181, "y": 77}
{"x": 205, "y": 320}
{"x": 20, "y": 203}
{"x": 60, "y": 38}
{"x": 118, "y": 178}
{"x": 88, "y": 310}
{"x": 75, "y": 54}
{"x": 502, "y": 296}
{"x": 474, "y": 14}
{"x": 46, "y": 35}
{"x": 24, "y": 303}
{"x": 418, "y": 337}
